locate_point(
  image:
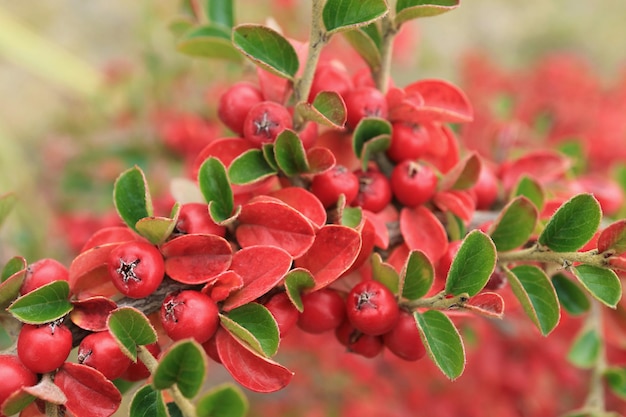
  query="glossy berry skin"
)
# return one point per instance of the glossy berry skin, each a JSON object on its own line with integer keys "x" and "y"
{"x": 265, "y": 121}
{"x": 14, "y": 375}
{"x": 364, "y": 102}
{"x": 372, "y": 308}
{"x": 195, "y": 218}
{"x": 408, "y": 141}
{"x": 404, "y": 339}
{"x": 100, "y": 351}
{"x": 137, "y": 371}
{"x": 189, "y": 313}
{"x": 283, "y": 311}
{"x": 136, "y": 268}
{"x": 486, "y": 189}
{"x": 330, "y": 77}
{"x": 44, "y": 348}
{"x": 324, "y": 310}
{"x": 413, "y": 184}
{"x": 329, "y": 185}
{"x": 374, "y": 191}
{"x": 357, "y": 342}
{"x": 235, "y": 103}
{"x": 42, "y": 272}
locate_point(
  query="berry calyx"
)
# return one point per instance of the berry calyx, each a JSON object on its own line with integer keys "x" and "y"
{"x": 136, "y": 268}
{"x": 372, "y": 308}
{"x": 265, "y": 121}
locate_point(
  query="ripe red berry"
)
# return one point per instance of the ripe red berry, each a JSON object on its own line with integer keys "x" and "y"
{"x": 413, "y": 183}
{"x": 331, "y": 76}
{"x": 364, "y": 102}
{"x": 408, "y": 141}
{"x": 486, "y": 188}
{"x": 404, "y": 339}
{"x": 329, "y": 185}
{"x": 284, "y": 312}
{"x": 44, "y": 348}
{"x": 14, "y": 375}
{"x": 42, "y": 272}
{"x": 265, "y": 121}
{"x": 357, "y": 342}
{"x": 189, "y": 313}
{"x": 101, "y": 351}
{"x": 374, "y": 191}
{"x": 195, "y": 218}
{"x": 235, "y": 104}
{"x": 372, "y": 308}
{"x": 324, "y": 310}
{"x": 137, "y": 371}
{"x": 136, "y": 268}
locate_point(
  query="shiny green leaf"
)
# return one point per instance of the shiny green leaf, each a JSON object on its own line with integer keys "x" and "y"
{"x": 368, "y": 129}
{"x": 571, "y": 296}
{"x": 602, "y": 283}
{"x": 132, "y": 197}
{"x": 254, "y": 324}
{"x": 442, "y": 342}
{"x": 385, "y": 273}
{"x": 290, "y": 154}
{"x": 532, "y": 190}
{"x": 43, "y": 305}
{"x": 250, "y": 167}
{"x": 417, "y": 276}
{"x": 363, "y": 43}
{"x": 148, "y": 402}
{"x": 226, "y": 400}
{"x": 184, "y": 364}
{"x": 413, "y": 9}
{"x": 216, "y": 189}
{"x": 585, "y": 351}
{"x": 341, "y": 15}
{"x": 220, "y": 12}
{"x": 514, "y": 224}
{"x": 131, "y": 328}
{"x": 472, "y": 266}
{"x": 208, "y": 41}
{"x": 296, "y": 281}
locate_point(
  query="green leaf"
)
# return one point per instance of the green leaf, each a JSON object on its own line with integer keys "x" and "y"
{"x": 328, "y": 109}
{"x": 373, "y": 146}
{"x": 573, "y": 224}
{"x": 571, "y": 296}
{"x": 535, "y": 292}
{"x": 148, "y": 402}
{"x": 179, "y": 26}
{"x": 249, "y": 167}
{"x": 341, "y": 15}
{"x": 158, "y": 229}
{"x": 585, "y": 351}
{"x": 269, "y": 155}
{"x": 290, "y": 154}
{"x": 602, "y": 283}
{"x": 417, "y": 276}
{"x": 472, "y": 266}
{"x": 183, "y": 364}
{"x": 463, "y": 175}
{"x": 208, "y": 41}
{"x": 368, "y": 129}
{"x": 385, "y": 273}
{"x": 413, "y": 9}
{"x": 532, "y": 190}
{"x": 514, "y": 225}
{"x": 216, "y": 189}
{"x": 13, "y": 266}
{"x": 43, "y": 305}
{"x": 10, "y": 288}
{"x": 131, "y": 328}
{"x": 616, "y": 379}
{"x": 132, "y": 197}
{"x": 442, "y": 342}
{"x": 351, "y": 216}
{"x": 296, "y": 281}
{"x": 220, "y": 12}
{"x": 365, "y": 46}
{"x": 7, "y": 202}
{"x": 226, "y": 400}
{"x": 254, "y": 324}
{"x": 267, "y": 49}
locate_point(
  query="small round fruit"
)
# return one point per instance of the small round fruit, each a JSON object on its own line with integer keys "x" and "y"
{"x": 404, "y": 339}
{"x": 364, "y": 102}
{"x": 265, "y": 121}
{"x": 374, "y": 191}
{"x": 14, "y": 375}
{"x": 331, "y": 76}
{"x": 408, "y": 141}
{"x": 195, "y": 218}
{"x": 42, "y": 272}
{"x": 324, "y": 310}
{"x": 413, "y": 183}
{"x": 101, "y": 351}
{"x": 486, "y": 188}
{"x": 329, "y": 185}
{"x": 136, "y": 268}
{"x": 189, "y": 313}
{"x": 357, "y": 342}
{"x": 137, "y": 371}
{"x": 283, "y": 311}
{"x": 235, "y": 103}
{"x": 44, "y": 348}
{"x": 372, "y": 308}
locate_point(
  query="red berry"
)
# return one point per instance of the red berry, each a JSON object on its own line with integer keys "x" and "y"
{"x": 136, "y": 268}
{"x": 329, "y": 185}
{"x": 101, "y": 351}
{"x": 44, "y": 348}
{"x": 408, "y": 141}
{"x": 195, "y": 218}
{"x": 137, "y": 371}
{"x": 308, "y": 135}
{"x": 486, "y": 188}
{"x": 189, "y": 313}
{"x": 372, "y": 308}
{"x": 412, "y": 183}
{"x": 364, "y": 102}
{"x": 14, "y": 375}
{"x": 284, "y": 312}
{"x": 43, "y": 272}
{"x": 324, "y": 310}
{"x": 404, "y": 339}
{"x": 210, "y": 347}
{"x": 265, "y": 121}
{"x": 357, "y": 342}
{"x": 330, "y": 76}
{"x": 235, "y": 104}
{"x": 374, "y": 191}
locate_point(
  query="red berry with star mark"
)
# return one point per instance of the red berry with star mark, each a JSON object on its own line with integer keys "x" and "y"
{"x": 364, "y": 102}
{"x": 136, "y": 268}
{"x": 372, "y": 308}
{"x": 189, "y": 313}
{"x": 265, "y": 121}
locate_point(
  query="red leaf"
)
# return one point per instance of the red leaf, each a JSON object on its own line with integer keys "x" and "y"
{"x": 335, "y": 249}
{"x": 543, "y": 165}
{"x": 248, "y": 368}
{"x": 444, "y": 155}
{"x": 261, "y": 268}
{"x": 305, "y": 202}
{"x": 422, "y": 231}
{"x": 488, "y": 304}
{"x": 320, "y": 159}
{"x": 274, "y": 223}
{"x": 463, "y": 175}
{"x": 381, "y": 232}
{"x": 460, "y": 203}
{"x": 225, "y": 149}
{"x": 613, "y": 238}
{"x": 107, "y": 235}
{"x": 225, "y": 284}
{"x": 91, "y": 313}
{"x": 88, "y": 392}
{"x": 196, "y": 258}
{"x": 443, "y": 102}
{"x": 88, "y": 275}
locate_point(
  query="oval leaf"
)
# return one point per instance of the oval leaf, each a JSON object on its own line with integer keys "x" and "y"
{"x": 216, "y": 189}
{"x": 220, "y": 12}
{"x": 89, "y": 275}
{"x": 255, "y": 325}
{"x": 365, "y": 46}
{"x": 616, "y": 379}
{"x": 532, "y": 190}
{"x": 250, "y": 167}
{"x": 183, "y": 364}
{"x": 224, "y": 400}
{"x": 320, "y": 159}
{"x": 156, "y": 229}
{"x": 613, "y": 238}
{"x": 148, "y": 402}
{"x": 368, "y": 129}
{"x": 413, "y": 9}
{"x": 573, "y": 224}
{"x": 442, "y": 102}
{"x": 472, "y": 266}
{"x": 417, "y": 276}
{"x": 571, "y": 296}
{"x": 10, "y": 287}
{"x": 442, "y": 342}
{"x": 385, "y": 273}
{"x": 514, "y": 224}
{"x": 422, "y": 231}
{"x": 43, "y": 305}
{"x": 463, "y": 175}
{"x": 12, "y": 267}
{"x": 340, "y": 15}
{"x": 585, "y": 350}
{"x": 535, "y": 292}
{"x": 196, "y": 258}
{"x": 132, "y": 197}
{"x": 208, "y": 41}
{"x": 297, "y": 281}
{"x": 92, "y": 313}
{"x": 131, "y": 328}
{"x": 603, "y": 284}
{"x": 488, "y": 304}
{"x": 290, "y": 154}
{"x": 305, "y": 202}
{"x": 267, "y": 49}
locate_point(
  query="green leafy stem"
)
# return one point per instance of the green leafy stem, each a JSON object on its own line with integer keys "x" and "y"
{"x": 537, "y": 253}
